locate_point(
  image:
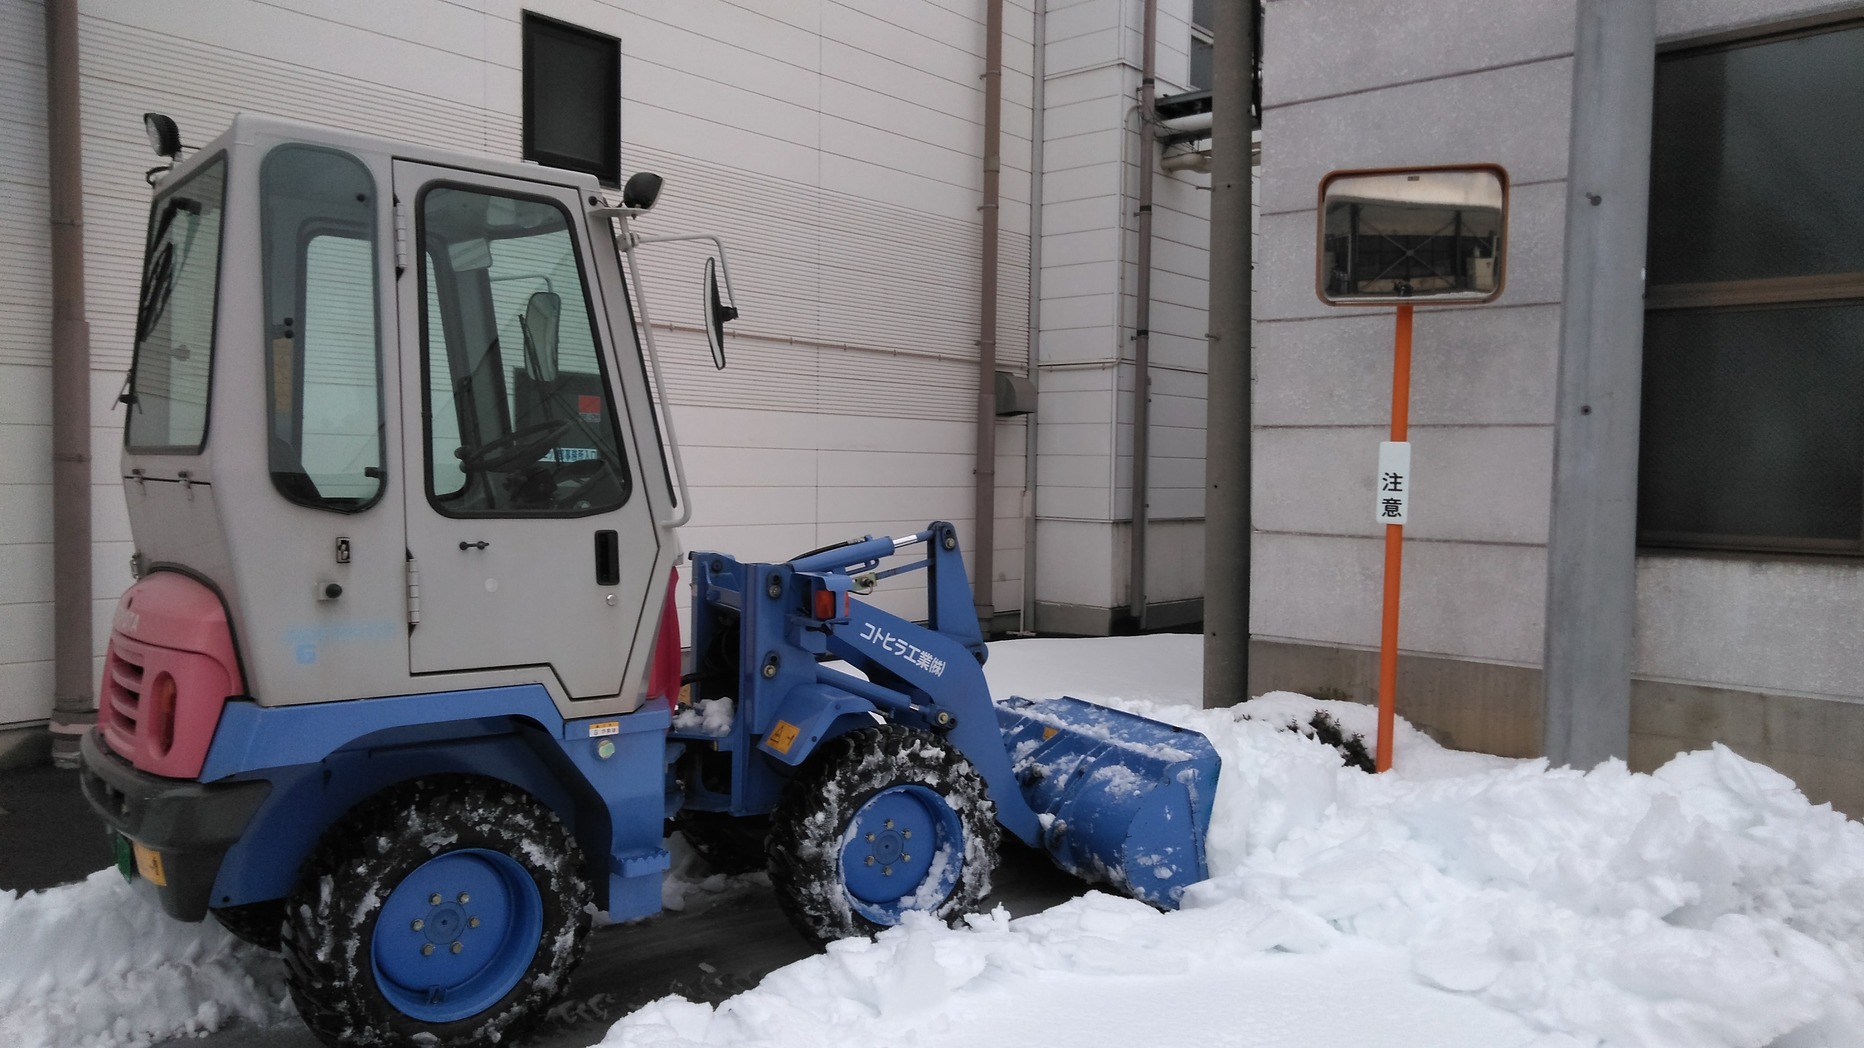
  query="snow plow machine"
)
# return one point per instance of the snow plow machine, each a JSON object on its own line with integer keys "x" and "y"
{"x": 398, "y": 690}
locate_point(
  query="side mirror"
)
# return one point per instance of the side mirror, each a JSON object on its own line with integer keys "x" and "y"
{"x": 542, "y": 316}
{"x": 1398, "y": 236}
{"x": 641, "y": 190}
{"x": 716, "y": 314}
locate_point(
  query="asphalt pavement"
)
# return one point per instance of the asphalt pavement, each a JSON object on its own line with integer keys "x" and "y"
{"x": 48, "y": 835}
{"x": 718, "y": 947}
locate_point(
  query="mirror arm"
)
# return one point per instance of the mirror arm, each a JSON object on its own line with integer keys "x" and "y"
{"x": 625, "y": 241}
{"x": 724, "y": 265}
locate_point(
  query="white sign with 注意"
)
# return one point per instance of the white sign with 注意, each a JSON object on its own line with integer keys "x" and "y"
{"x": 1393, "y": 505}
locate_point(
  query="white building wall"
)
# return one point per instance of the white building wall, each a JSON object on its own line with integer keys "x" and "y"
{"x": 1089, "y": 232}
{"x": 836, "y": 144}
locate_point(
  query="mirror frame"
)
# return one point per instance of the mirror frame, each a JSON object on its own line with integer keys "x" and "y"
{"x": 1440, "y": 299}
{"x": 716, "y": 314}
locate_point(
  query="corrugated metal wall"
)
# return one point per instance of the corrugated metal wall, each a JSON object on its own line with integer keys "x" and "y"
{"x": 836, "y": 143}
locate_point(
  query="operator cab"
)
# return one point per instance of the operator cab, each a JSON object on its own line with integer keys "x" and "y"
{"x": 390, "y": 408}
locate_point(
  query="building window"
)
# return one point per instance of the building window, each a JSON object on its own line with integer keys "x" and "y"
{"x": 1200, "y": 45}
{"x": 1753, "y": 434}
{"x": 572, "y": 98}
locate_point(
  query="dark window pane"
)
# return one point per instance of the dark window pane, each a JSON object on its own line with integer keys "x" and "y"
{"x": 1200, "y": 14}
{"x": 572, "y": 98}
{"x": 1200, "y": 64}
{"x": 1752, "y": 427}
{"x": 1755, "y": 157}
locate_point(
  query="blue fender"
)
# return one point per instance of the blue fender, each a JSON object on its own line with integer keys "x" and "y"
{"x": 809, "y": 715}
{"x": 605, "y": 777}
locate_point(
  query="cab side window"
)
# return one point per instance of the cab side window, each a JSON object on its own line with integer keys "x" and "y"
{"x": 323, "y": 360}
{"x": 519, "y": 421}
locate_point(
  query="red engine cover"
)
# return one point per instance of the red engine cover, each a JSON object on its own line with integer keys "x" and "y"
{"x": 168, "y": 672}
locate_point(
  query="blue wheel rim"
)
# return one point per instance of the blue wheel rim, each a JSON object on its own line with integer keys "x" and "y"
{"x": 456, "y": 935}
{"x": 904, "y": 850}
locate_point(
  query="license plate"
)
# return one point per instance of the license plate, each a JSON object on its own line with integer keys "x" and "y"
{"x": 149, "y": 864}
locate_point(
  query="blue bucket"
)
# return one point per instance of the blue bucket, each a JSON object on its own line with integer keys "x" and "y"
{"x": 1123, "y": 800}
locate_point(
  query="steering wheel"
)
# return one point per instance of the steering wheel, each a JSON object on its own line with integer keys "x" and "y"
{"x": 514, "y": 448}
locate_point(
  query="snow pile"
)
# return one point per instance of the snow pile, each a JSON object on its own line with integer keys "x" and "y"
{"x": 98, "y": 964}
{"x": 708, "y": 716}
{"x": 1463, "y": 900}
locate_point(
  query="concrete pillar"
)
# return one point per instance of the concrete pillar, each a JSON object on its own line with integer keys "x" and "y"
{"x": 1592, "y": 539}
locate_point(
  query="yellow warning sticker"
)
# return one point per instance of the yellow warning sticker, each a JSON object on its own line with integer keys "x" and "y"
{"x": 782, "y": 737}
{"x": 602, "y": 728}
{"x": 149, "y": 864}
{"x": 1049, "y": 733}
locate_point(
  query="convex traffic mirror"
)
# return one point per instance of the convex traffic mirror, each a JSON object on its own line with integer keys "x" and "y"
{"x": 1434, "y": 234}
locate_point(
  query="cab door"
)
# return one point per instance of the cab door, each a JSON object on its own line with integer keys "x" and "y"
{"x": 526, "y": 526}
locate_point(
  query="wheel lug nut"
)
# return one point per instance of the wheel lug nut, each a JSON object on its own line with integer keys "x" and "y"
{"x": 458, "y": 946}
{"x": 465, "y": 898}
{"x": 870, "y": 860}
{"x": 870, "y": 838}
{"x": 905, "y": 857}
{"x": 434, "y": 899}
{"x": 472, "y": 922}
{"x": 418, "y": 924}
{"x": 908, "y": 834}
{"x": 427, "y": 949}
{"x": 889, "y": 824}
{"x": 886, "y": 871}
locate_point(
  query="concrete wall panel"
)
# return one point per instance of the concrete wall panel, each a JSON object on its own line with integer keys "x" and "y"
{"x": 1417, "y": 40}
{"x": 1475, "y": 365}
{"x": 1761, "y": 623}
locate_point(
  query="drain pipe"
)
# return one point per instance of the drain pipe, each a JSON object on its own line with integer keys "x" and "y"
{"x": 983, "y": 559}
{"x": 1142, "y": 315}
{"x": 72, "y": 708}
{"x": 1038, "y": 99}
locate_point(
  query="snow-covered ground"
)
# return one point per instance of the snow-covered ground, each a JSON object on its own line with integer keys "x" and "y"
{"x": 1462, "y": 900}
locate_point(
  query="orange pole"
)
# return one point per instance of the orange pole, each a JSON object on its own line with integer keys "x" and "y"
{"x": 1394, "y": 548}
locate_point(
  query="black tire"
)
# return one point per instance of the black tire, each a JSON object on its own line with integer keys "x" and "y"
{"x": 355, "y": 961}
{"x": 256, "y": 923}
{"x": 729, "y": 844}
{"x": 819, "y": 856}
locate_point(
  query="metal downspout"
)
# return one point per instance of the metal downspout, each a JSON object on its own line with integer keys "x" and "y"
{"x": 1038, "y": 99}
{"x": 1142, "y": 316}
{"x": 983, "y": 558}
{"x": 72, "y": 706}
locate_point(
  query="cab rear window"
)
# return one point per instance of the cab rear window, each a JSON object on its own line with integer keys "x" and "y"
{"x": 171, "y": 377}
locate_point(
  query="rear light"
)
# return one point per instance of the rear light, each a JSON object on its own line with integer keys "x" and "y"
{"x": 159, "y": 716}
{"x": 663, "y": 674}
{"x": 825, "y": 604}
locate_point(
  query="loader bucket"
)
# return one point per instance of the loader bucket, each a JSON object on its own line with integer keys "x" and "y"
{"x": 1122, "y": 799}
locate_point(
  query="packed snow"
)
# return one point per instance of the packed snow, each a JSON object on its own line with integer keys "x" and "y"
{"x": 1460, "y": 900}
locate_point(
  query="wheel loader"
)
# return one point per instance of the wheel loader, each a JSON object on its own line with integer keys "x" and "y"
{"x": 399, "y": 691}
